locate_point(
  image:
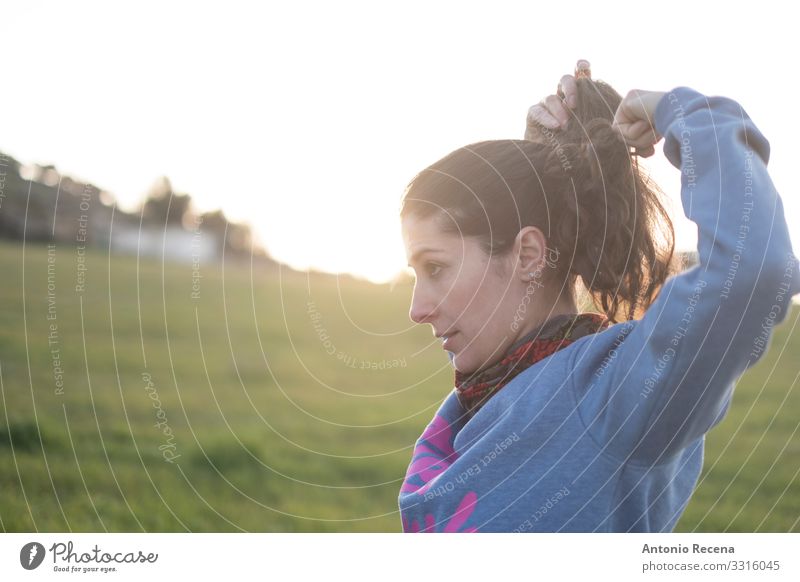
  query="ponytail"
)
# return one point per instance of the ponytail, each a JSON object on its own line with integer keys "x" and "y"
{"x": 615, "y": 217}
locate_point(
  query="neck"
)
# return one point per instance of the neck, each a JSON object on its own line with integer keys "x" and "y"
{"x": 564, "y": 305}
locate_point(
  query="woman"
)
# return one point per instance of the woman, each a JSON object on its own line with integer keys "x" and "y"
{"x": 563, "y": 420}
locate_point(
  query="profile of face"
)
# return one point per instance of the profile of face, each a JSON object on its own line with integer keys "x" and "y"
{"x": 472, "y": 299}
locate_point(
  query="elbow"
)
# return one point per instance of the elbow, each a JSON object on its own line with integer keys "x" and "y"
{"x": 773, "y": 288}
{"x": 744, "y": 269}
{"x": 780, "y": 278}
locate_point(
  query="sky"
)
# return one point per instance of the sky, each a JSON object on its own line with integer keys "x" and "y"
{"x": 308, "y": 119}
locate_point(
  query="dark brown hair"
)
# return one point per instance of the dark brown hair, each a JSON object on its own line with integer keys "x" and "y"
{"x": 581, "y": 186}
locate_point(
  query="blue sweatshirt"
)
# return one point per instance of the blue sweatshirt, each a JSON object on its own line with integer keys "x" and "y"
{"x": 607, "y": 434}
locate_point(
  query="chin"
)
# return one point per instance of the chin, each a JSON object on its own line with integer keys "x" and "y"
{"x": 462, "y": 365}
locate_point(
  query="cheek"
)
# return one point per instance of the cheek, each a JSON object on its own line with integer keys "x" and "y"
{"x": 480, "y": 311}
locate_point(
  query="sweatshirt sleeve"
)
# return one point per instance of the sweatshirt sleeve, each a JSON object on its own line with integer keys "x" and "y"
{"x": 669, "y": 377}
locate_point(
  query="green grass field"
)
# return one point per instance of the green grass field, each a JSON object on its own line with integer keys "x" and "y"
{"x": 273, "y": 402}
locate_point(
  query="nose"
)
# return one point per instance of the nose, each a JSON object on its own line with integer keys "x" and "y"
{"x": 421, "y": 306}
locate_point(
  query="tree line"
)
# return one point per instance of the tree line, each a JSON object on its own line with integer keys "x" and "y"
{"x": 37, "y": 203}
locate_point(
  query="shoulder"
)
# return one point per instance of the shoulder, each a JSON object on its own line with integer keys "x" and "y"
{"x": 593, "y": 348}
{"x": 591, "y": 359}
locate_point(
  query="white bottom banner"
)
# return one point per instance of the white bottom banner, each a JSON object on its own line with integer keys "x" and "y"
{"x": 350, "y": 557}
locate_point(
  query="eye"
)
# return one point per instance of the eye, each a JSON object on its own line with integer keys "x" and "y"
{"x": 435, "y": 266}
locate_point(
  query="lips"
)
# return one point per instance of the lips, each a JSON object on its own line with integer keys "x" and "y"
{"x": 447, "y": 344}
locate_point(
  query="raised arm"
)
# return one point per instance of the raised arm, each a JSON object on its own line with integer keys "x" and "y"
{"x": 670, "y": 376}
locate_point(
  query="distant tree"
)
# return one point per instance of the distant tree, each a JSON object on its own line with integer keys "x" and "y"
{"x": 164, "y": 206}
{"x": 237, "y": 237}
{"x": 215, "y": 222}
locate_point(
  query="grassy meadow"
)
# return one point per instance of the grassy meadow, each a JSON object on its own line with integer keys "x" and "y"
{"x": 273, "y": 401}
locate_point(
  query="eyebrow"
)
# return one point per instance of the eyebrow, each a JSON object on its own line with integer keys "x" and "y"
{"x": 420, "y": 252}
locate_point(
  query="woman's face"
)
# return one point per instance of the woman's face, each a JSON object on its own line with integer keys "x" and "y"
{"x": 459, "y": 292}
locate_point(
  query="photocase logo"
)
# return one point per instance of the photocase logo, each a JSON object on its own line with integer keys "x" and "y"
{"x": 31, "y": 555}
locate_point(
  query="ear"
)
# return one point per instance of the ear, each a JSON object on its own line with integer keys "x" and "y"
{"x": 531, "y": 252}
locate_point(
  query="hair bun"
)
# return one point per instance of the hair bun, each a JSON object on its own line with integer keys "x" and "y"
{"x": 602, "y": 140}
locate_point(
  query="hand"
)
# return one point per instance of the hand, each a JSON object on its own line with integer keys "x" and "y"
{"x": 634, "y": 120}
{"x": 552, "y": 112}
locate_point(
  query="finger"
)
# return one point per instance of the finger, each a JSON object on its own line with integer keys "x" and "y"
{"x": 538, "y": 115}
{"x": 645, "y": 152}
{"x": 643, "y": 131}
{"x": 631, "y": 138}
{"x": 555, "y": 107}
{"x": 639, "y": 128}
{"x": 569, "y": 88}
{"x": 633, "y": 141}
{"x": 623, "y": 116}
{"x": 634, "y": 129}
{"x": 643, "y": 142}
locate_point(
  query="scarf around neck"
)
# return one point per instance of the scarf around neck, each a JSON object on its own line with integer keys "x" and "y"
{"x": 473, "y": 390}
